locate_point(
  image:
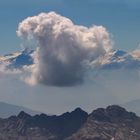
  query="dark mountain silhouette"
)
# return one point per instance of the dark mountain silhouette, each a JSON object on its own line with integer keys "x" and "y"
{"x": 41, "y": 127}
{"x": 112, "y": 123}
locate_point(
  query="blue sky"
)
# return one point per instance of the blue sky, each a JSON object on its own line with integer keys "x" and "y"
{"x": 120, "y": 17}
{"x": 122, "y": 20}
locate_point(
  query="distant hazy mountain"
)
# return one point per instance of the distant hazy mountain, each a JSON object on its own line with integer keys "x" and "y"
{"x": 133, "y": 106}
{"x": 17, "y": 60}
{"x": 111, "y": 123}
{"x": 115, "y": 59}
{"x": 7, "y": 110}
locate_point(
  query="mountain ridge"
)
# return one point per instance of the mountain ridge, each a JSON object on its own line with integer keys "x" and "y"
{"x": 115, "y": 59}
{"x": 6, "y": 110}
{"x": 111, "y": 123}
{"x": 133, "y": 105}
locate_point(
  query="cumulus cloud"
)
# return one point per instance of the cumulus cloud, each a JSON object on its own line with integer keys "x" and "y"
{"x": 4, "y": 70}
{"x": 64, "y": 50}
{"x": 136, "y": 52}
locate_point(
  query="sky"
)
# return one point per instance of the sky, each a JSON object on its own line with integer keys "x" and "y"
{"x": 120, "y": 17}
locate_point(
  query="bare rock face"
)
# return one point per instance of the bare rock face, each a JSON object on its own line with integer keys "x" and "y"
{"x": 112, "y": 123}
{"x": 41, "y": 127}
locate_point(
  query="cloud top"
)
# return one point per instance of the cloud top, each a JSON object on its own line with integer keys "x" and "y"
{"x": 64, "y": 51}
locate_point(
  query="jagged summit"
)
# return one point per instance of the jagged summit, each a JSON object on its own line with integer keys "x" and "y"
{"x": 113, "y": 113}
{"x": 115, "y": 59}
{"x": 17, "y": 60}
{"x": 79, "y": 111}
{"x": 75, "y": 114}
{"x": 119, "y": 53}
{"x": 23, "y": 59}
{"x": 111, "y": 123}
{"x": 23, "y": 115}
{"x": 118, "y": 59}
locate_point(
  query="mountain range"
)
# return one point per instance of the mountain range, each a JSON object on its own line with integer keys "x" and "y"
{"x": 7, "y": 110}
{"x": 115, "y": 59}
{"x": 111, "y": 123}
{"x": 17, "y": 60}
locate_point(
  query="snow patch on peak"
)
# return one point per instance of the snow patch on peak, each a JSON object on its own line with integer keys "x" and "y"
{"x": 114, "y": 59}
{"x": 17, "y": 60}
{"x": 118, "y": 59}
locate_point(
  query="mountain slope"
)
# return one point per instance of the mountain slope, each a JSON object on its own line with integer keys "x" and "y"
{"x": 7, "y": 110}
{"x": 41, "y": 127}
{"x": 133, "y": 106}
{"x": 17, "y": 60}
{"x": 114, "y": 59}
{"x": 111, "y": 123}
{"x": 118, "y": 59}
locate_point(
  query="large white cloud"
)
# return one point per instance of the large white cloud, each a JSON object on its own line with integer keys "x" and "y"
{"x": 64, "y": 50}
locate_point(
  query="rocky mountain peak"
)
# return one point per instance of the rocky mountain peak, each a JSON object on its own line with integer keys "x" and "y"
{"x": 119, "y": 53}
{"x": 23, "y": 115}
{"x": 111, "y": 123}
{"x": 79, "y": 111}
{"x": 113, "y": 113}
